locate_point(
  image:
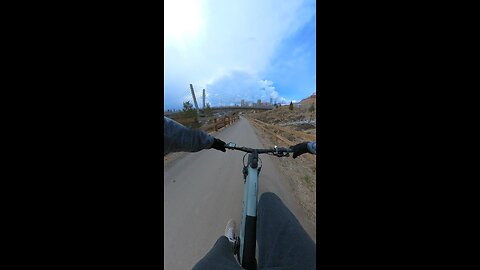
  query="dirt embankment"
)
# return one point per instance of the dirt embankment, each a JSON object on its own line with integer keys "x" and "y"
{"x": 302, "y": 170}
{"x": 298, "y": 119}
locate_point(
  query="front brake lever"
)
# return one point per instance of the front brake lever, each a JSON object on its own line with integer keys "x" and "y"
{"x": 282, "y": 152}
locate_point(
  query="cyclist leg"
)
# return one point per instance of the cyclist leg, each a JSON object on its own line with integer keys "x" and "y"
{"x": 282, "y": 241}
{"x": 219, "y": 257}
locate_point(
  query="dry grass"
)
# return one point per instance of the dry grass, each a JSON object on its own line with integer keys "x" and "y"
{"x": 300, "y": 171}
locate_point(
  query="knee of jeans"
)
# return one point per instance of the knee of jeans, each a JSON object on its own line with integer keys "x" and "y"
{"x": 268, "y": 198}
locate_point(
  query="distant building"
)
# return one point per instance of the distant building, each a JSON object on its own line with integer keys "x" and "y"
{"x": 242, "y": 103}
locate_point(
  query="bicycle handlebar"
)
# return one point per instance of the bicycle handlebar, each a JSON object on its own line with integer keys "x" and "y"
{"x": 278, "y": 151}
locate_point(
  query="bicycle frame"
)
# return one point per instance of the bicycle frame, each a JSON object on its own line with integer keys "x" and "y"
{"x": 248, "y": 225}
{"x": 247, "y": 241}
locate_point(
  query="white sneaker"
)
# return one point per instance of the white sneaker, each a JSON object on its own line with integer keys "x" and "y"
{"x": 230, "y": 230}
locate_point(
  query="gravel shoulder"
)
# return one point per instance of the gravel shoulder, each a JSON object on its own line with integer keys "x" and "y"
{"x": 301, "y": 173}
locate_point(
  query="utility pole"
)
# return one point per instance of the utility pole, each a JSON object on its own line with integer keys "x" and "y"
{"x": 203, "y": 99}
{"x": 194, "y": 99}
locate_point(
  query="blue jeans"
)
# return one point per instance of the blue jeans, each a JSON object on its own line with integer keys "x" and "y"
{"x": 282, "y": 241}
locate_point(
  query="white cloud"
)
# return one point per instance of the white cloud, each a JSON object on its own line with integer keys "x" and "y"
{"x": 207, "y": 41}
{"x": 183, "y": 19}
{"x": 238, "y": 85}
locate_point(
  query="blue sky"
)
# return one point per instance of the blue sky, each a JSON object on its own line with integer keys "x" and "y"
{"x": 236, "y": 50}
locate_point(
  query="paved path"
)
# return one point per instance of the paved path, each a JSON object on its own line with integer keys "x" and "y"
{"x": 204, "y": 189}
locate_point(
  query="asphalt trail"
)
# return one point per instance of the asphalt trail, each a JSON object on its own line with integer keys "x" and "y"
{"x": 204, "y": 189}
